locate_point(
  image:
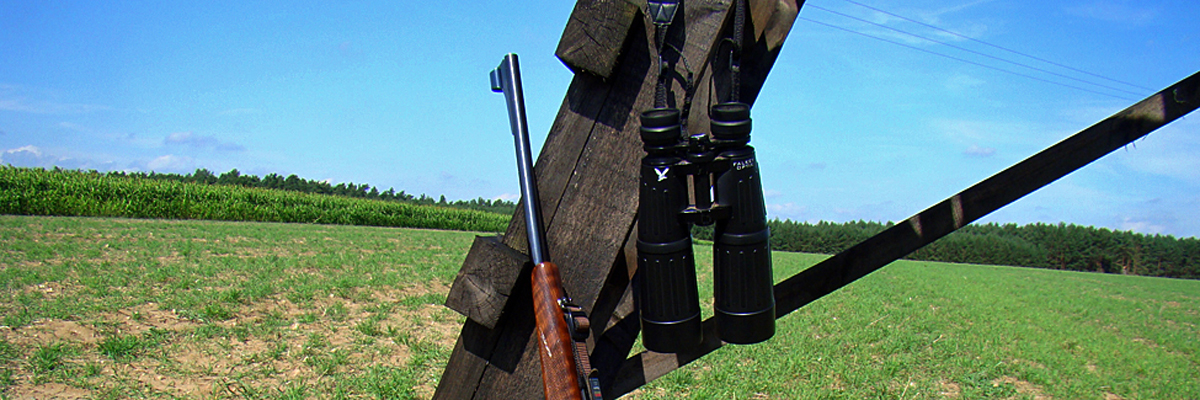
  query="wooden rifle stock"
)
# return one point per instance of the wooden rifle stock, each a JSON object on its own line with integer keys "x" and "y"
{"x": 561, "y": 327}
{"x": 560, "y": 375}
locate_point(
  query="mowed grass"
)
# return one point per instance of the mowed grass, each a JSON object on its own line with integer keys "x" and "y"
{"x": 928, "y": 330}
{"x": 123, "y": 308}
{"x": 116, "y": 308}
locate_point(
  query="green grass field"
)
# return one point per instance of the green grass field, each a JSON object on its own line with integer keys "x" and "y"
{"x": 116, "y": 308}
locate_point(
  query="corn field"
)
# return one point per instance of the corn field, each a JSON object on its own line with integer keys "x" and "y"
{"x": 35, "y": 191}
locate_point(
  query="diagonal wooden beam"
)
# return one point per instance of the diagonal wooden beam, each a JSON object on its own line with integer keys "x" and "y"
{"x": 941, "y": 219}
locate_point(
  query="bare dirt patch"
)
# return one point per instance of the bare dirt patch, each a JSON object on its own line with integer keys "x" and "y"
{"x": 951, "y": 390}
{"x": 140, "y": 319}
{"x": 43, "y": 332}
{"x": 269, "y": 345}
{"x": 1023, "y": 387}
{"x": 49, "y": 391}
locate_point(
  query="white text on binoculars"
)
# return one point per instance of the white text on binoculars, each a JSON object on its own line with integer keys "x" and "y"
{"x": 740, "y": 165}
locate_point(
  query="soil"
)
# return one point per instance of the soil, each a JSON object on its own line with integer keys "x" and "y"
{"x": 189, "y": 364}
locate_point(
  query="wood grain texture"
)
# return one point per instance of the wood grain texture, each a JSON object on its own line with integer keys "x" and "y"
{"x": 480, "y": 292}
{"x": 589, "y": 201}
{"x": 560, "y": 377}
{"x": 595, "y": 35}
{"x": 947, "y": 216}
{"x": 587, "y": 176}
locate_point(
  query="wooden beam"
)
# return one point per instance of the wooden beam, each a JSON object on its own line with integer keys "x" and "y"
{"x": 480, "y": 292}
{"x": 595, "y": 35}
{"x": 587, "y": 176}
{"x": 937, "y": 221}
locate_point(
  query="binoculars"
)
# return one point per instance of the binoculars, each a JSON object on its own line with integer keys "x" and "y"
{"x": 701, "y": 180}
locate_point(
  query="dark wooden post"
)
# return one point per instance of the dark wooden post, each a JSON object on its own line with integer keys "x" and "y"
{"x": 587, "y": 176}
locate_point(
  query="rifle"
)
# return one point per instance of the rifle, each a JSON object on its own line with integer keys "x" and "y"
{"x": 562, "y": 327}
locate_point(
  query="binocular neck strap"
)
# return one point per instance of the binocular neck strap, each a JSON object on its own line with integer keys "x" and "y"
{"x": 663, "y": 13}
{"x": 735, "y": 56}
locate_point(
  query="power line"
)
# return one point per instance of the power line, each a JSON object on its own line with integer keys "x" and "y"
{"x": 965, "y": 60}
{"x": 973, "y": 51}
{"x": 997, "y": 46}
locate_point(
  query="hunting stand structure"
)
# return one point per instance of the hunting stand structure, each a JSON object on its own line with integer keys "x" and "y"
{"x": 587, "y": 176}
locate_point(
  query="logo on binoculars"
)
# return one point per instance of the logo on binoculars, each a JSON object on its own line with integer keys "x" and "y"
{"x": 740, "y": 165}
{"x": 662, "y": 173}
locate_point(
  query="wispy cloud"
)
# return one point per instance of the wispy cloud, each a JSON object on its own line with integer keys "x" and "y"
{"x": 1168, "y": 152}
{"x": 1118, "y": 11}
{"x": 979, "y": 152}
{"x": 15, "y": 98}
{"x": 190, "y": 139}
{"x": 788, "y": 210}
{"x": 36, "y": 157}
{"x": 24, "y": 153}
{"x": 1142, "y": 225}
{"x": 961, "y": 82}
{"x": 171, "y": 163}
{"x": 912, "y": 26}
{"x": 240, "y": 111}
{"x": 45, "y": 107}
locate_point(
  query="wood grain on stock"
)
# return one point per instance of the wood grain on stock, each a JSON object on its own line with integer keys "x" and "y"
{"x": 560, "y": 377}
{"x": 941, "y": 219}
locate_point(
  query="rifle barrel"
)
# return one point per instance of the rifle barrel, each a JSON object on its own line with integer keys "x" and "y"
{"x": 560, "y": 374}
{"x": 507, "y": 79}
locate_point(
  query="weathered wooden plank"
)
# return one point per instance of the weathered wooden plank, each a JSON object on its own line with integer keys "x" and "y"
{"x": 594, "y": 210}
{"x": 588, "y": 177}
{"x": 585, "y": 244}
{"x": 595, "y": 35}
{"x": 560, "y": 153}
{"x": 480, "y": 350}
{"x": 947, "y": 216}
{"x": 480, "y": 292}
{"x": 474, "y": 343}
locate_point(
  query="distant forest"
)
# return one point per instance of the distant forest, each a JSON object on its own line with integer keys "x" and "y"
{"x": 1051, "y": 246}
{"x": 1040, "y": 245}
{"x": 298, "y": 184}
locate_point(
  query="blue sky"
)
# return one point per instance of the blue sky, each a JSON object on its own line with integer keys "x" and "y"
{"x": 396, "y": 94}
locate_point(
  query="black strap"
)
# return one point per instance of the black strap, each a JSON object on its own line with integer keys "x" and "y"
{"x": 735, "y": 55}
{"x": 662, "y": 12}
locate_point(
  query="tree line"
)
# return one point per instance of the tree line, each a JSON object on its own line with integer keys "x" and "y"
{"x": 298, "y": 184}
{"x": 1039, "y": 245}
{"x": 36, "y": 191}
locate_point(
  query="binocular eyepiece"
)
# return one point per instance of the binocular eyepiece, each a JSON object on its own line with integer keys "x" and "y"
{"x": 702, "y": 180}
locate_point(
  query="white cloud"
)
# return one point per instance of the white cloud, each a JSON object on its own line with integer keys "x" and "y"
{"x": 1118, "y": 11}
{"x": 961, "y": 82}
{"x": 190, "y": 139}
{"x": 171, "y": 163}
{"x": 13, "y": 98}
{"x": 25, "y": 156}
{"x": 30, "y": 148}
{"x": 35, "y": 157}
{"x": 788, "y": 210}
{"x": 508, "y": 197}
{"x": 1170, "y": 152}
{"x": 1142, "y": 226}
{"x": 240, "y": 111}
{"x": 980, "y": 152}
